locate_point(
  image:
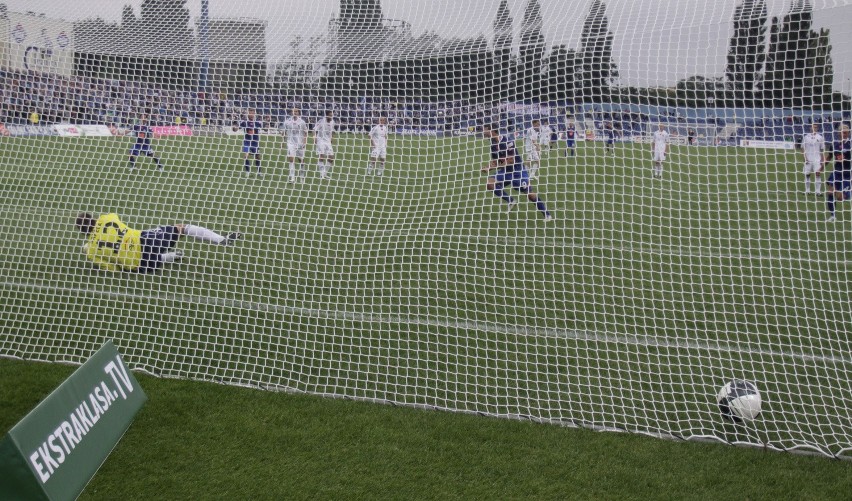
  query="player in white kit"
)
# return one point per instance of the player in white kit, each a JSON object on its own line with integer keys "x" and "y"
{"x": 379, "y": 145}
{"x": 532, "y": 148}
{"x": 323, "y": 138}
{"x": 545, "y": 132}
{"x": 813, "y": 148}
{"x": 296, "y": 131}
{"x": 660, "y": 148}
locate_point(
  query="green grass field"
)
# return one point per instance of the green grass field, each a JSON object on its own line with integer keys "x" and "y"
{"x": 205, "y": 441}
{"x": 627, "y": 312}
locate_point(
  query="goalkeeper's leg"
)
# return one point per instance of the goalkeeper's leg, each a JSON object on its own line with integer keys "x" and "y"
{"x": 205, "y": 235}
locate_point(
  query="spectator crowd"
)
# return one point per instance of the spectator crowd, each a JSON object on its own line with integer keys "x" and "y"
{"x": 42, "y": 99}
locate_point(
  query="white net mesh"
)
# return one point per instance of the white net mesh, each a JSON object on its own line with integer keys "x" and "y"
{"x": 377, "y": 261}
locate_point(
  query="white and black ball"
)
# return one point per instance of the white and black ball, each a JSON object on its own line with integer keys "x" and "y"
{"x": 739, "y": 401}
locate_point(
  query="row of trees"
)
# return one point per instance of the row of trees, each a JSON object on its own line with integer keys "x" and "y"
{"x": 464, "y": 69}
{"x": 795, "y": 69}
{"x": 788, "y": 64}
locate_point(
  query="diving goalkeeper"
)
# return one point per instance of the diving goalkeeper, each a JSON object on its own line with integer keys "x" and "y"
{"x": 113, "y": 246}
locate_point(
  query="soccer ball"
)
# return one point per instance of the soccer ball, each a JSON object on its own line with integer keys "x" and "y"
{"x": 739, "y": 401}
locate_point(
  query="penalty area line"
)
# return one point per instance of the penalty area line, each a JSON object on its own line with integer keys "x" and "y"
{"x": 646, "y": 341}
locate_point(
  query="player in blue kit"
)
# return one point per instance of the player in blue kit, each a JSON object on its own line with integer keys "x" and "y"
{"x": 251, "y": 140}
{"x": 839, "y": 187}
{"x": 510, "y": 171}
{"x": 143, "y": 133}
{"x": 571, "y": 140}
{"x": 609, "y": 134}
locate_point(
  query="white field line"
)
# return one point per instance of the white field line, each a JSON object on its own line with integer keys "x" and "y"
{"x": 469, "y": 325}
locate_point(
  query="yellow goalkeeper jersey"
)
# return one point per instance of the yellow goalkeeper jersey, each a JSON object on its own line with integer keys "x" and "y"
{"x": 113, "y": 246}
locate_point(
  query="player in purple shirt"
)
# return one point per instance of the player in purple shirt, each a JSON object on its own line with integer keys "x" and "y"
{"x": 510, "y": 171}
{"x": 571, "y": 140}
{"x": 251, "y": 140}
{"x": 143, "y": 133}
{"x": 609, "y": 135}
{"x": 839, "y": 186}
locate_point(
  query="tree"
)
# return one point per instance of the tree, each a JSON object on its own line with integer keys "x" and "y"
{"x": 467, "y": 63}
{"x": 502, "y": 52}
{"x": 596, "y": 69}
{"x": 560, "y": 74}
{"x": 531, "y": 52}
{"x": 747, "y": 52}
{"x": 360, "y": 16}
{"x": 128, "y": 17}
{"x": 819, "y": 76}
{"x": 798, "y": 63}
{"x": 481, "y": 64}
{"x": 699, "y": 91}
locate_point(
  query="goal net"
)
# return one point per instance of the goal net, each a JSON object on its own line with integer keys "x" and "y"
{"x": 450, "y": 205}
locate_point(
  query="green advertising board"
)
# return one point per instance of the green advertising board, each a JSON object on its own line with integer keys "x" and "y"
{"x": 56, "y": 449}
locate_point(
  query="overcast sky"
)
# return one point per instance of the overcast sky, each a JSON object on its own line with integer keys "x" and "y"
{"x": 657, "y": 42}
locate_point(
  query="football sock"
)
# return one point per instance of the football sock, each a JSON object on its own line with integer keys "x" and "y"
{"x": 380, "y": 169}
{"x": 818, "y": 185}
{"x": 169, "y": 257}
{"x": 257, "y": 164}
{"x": 829, "y": 201}
{"x": 369, "y": 167}
{"x": 248, "y": 165}
{"x": 132, "y": 162}
{"x": 807, "y": 184}
{"x": 539, "y": 204}
{"x": 292, "y": 170}
{"x": 203, "y": 234}
{"x": 499, "y": 193}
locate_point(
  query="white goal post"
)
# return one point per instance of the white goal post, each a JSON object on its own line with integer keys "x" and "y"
{"x": 450, "y": 205}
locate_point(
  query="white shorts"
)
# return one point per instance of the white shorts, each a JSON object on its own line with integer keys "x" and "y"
{"x": 379, "y": 152}
{"x": 812, "y": 166}
{"x": 325, "y": 149}
{"x": 659, "y": 156}
{"x": 533, "y": 156}
{"x": 295, "y": 150}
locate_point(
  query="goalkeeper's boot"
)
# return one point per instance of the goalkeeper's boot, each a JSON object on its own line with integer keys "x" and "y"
{"x": 232, "y": 238}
